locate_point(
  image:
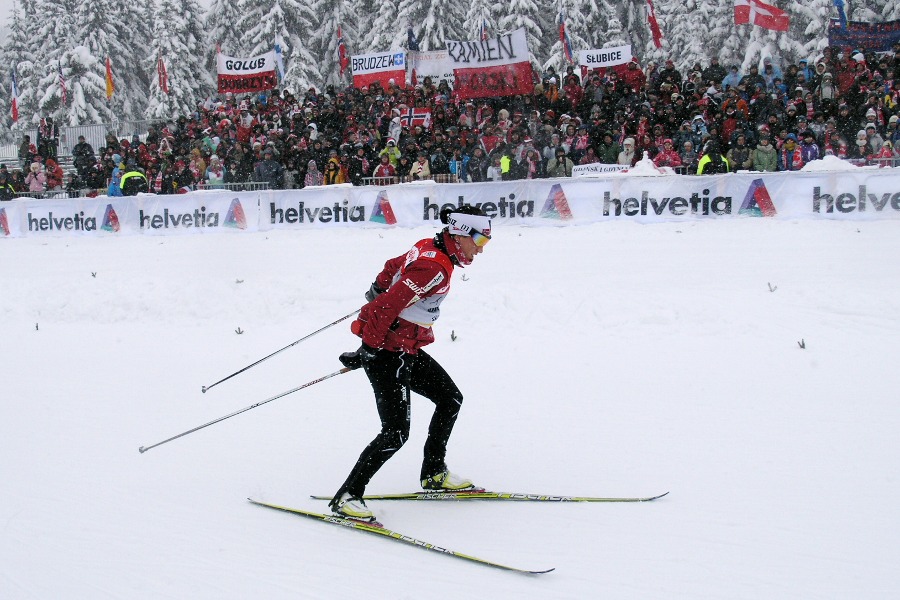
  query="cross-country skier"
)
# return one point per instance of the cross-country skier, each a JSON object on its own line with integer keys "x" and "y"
{"x": 403, "y": 304}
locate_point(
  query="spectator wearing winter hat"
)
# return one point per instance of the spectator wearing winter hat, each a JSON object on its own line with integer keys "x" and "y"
{"x": 391, "y": 151}
{"x": 54, "y": 174}
{"x": 740, "y": 155}
{"x": 627, "y": 156}
{"x": 874, "y": 138}
{"x": 885, "y": 156}
{"x": 790, "y": 158}
{"x": 764, "y": 156}
{"x": 36, "y": 180}
{"x": 809, "y": 149}
{"x": 892, "y": 133}
{"x": 668, "y": 157}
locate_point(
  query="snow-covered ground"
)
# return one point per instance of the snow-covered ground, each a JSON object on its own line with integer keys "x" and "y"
{"x": 612, "y": 359}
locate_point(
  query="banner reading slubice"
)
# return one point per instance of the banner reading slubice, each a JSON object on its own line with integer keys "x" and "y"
{"x": 238, "y": 75}
{"x": 497, "y": 66}
{"x": 605, "y": 57}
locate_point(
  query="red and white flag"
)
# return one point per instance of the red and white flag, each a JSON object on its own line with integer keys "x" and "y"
{"x": 497, "y": 66}
{"x": 654, "y": 24}
{"x": 163, "y": 75}
{"x": 14, "y": 92}
{"x": 747, "y": 12}
{"x": 343, "y": 59}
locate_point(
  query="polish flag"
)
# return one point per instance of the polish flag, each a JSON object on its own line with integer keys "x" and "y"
{"x": 15, "y": 97}
{"x": 654, "y": 24}
{"x": 754, "y": 12}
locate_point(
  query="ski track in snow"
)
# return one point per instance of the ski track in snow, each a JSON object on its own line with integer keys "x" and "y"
{"x": 613, "y": 359}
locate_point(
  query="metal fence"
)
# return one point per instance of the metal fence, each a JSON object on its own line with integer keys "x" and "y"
{"x": 451, "y": 178}
{"x": 95, "y": 135}
{"x": 247, "y": 186}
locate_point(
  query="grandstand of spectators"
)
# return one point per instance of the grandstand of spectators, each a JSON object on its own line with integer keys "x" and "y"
{"x": 776, "y": 118}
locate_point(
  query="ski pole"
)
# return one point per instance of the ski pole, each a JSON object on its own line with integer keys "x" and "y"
{"x": 306, "y": 337}
{"x": 143, "y": 449}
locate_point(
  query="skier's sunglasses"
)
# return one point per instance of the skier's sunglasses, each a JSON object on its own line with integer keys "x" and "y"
{"x": 480, "y": 239}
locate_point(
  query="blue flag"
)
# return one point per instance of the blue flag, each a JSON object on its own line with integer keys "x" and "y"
{"x": 839, "y": 4}
{"x": 412, "y": 42}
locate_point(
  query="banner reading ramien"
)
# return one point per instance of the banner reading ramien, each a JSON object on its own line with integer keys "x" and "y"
{"x": 497, "y": 66}
{"x": 239, "y": 75}
{"x": 383, "y": 67}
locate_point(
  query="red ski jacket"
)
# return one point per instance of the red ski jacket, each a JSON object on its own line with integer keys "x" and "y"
{"x": 400, "y": 319}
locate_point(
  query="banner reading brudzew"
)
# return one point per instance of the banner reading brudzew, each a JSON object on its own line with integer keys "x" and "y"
{"x": 382, "y": 67}
{"x": 497, "y": 66}
{"x": 240, "y": 75}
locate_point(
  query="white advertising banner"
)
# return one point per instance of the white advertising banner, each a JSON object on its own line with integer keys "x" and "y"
{"x": 434, "y": 64}
{"x": 605, "y": 57}
{"x": 196, "y": 212}
{"x": 596, "y": 169}
{"x": 858, "y": 195}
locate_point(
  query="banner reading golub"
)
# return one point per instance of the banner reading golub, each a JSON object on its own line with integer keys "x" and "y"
{"x": 240, "y": 75}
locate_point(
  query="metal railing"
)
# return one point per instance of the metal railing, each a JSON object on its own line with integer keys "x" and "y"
{"x": 60, "y": 194}
{"x": 451, "y": 178}
{"x": 247, "y": 186}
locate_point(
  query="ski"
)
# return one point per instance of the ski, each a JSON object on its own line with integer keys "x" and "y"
{"x": 480, "y": 494}
{"x": 379, "y": 529}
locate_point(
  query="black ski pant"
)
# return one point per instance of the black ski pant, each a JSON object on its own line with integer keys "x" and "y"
{"x": 393, "y": 375}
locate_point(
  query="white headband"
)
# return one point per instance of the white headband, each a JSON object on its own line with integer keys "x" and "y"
{"x": 465, "y": 224}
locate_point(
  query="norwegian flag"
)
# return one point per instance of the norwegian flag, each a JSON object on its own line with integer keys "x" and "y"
{"x": 483, "y": 32}
{"x": 654, "y": 24}
{"x": 416, "y": 116}
{"x": 15, "y": 97}
{"x": 343, "y": 59}
{"x": 62, "y": 84}
{"x": 754, "y": 12}
{"x": 163, "y": 75}
{"x": 564, "y": 38}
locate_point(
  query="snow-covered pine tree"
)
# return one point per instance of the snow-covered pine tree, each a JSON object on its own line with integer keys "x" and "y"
{"x": 714, "y": 23}
{"x": 527, "y": 14}
{"x": 582, "y": 17}
{"x": 478, "y": 12}
{"x": 85, "y": 87}
{"x": 292, "y": 22}
{"x": 678, "y": 22}
{"x": 224, "y": 26}
{"x": 28, "y": 48}
{"x": 101, "y": 35}
{"x": 443, "y": 20}
{"x": 177, "y": 36}
{"x": 384, "y": 32}
{"x": 55, "y": 28}
{"x": 17, "y": 52}
{"x": 323, "y": 40}
{"x": 872, "y": 11}
{"x": 632, "y": 19}
{"x": 809, "y": 25}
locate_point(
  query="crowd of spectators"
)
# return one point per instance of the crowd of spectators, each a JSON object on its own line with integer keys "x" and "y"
{"x": 774, "y": 118}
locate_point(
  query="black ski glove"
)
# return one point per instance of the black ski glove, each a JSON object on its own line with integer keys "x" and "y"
{"x": 354, "y": 360}
{"x": 374, "y": 292}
